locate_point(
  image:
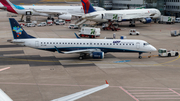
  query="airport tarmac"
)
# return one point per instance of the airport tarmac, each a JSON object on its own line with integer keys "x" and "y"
{"x": 28, "y": 74}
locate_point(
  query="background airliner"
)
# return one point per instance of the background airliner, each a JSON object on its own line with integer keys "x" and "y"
{"x": 62, "y": 12}
{"x": 132, "y": 15}
{"x": 85, "y": 47}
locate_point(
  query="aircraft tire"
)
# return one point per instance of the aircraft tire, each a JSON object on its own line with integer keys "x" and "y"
{"x": 140, "y": 57}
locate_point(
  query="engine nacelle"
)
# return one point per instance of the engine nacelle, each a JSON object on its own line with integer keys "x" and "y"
{"x": 146, "y": 20}
{"x": 65, "y": 16}
{"x": 97, "y": 55}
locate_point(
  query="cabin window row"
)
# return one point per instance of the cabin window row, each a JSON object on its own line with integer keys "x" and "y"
{"x": 65, "y": 43}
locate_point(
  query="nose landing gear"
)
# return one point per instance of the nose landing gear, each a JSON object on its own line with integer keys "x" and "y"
{"x": 140, "y": 57}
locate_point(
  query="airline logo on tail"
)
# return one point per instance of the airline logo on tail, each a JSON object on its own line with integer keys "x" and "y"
{"x": 10, "y": 7}
{"x": 17, "y": 30}
{"x": 88, "y": 8}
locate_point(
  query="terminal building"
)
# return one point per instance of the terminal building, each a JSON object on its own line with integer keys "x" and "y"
{"x": 166, "y": 7}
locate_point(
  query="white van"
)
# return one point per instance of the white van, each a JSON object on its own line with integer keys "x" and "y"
{"x": 42, "y": 24}
{"x": 90, "y": 32}
{"x": 177, "y": 20}
{"x": 30, "y": 25}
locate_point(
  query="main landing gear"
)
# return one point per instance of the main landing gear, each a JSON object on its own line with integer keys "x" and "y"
{"x": 82, "y": 56}
{"x": 132, "y": 23}
{"x": 49, "y": 18}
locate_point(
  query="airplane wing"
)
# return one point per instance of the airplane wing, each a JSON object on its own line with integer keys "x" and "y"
{"x": 4, "y": 96}
{"x": 48, "y": 12}
{"x": 56, "y": 13}
{"x": 78, "y": 51}
{"x": 81, "y": 94}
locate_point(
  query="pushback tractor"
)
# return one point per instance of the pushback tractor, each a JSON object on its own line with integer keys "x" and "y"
{"x": 165, "y": 53}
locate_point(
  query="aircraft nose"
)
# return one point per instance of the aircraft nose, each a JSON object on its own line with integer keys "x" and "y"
{"x": 153, "y": 48}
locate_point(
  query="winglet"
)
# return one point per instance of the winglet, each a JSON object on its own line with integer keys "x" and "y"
{"x": 106, "y": 82}
{"x": 77, "y": 36}
{"x": 57, "y": 49}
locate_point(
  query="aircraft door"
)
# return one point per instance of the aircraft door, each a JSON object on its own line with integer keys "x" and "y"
{"x": 37, "y": 44}
{"x": 137, "y": 45}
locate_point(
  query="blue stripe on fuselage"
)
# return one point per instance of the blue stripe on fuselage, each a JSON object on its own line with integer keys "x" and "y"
{"x": 18, "y": 7}
{"x": 82, "y": 48}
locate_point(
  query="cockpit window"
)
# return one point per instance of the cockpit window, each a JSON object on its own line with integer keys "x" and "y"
{"x": 146, "y": 44}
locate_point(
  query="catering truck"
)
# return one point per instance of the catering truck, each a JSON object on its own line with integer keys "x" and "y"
{"x": 167, "y": 20}
{"x": 90, "y": 32}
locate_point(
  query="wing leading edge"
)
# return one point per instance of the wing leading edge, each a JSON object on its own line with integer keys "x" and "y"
{"x": 81, "y": 94}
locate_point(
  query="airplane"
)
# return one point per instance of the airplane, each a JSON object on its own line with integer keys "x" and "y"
{"x": 62, "y": 12}
{"x": 72, "y": 97}
{"x": 132, "y": 15}
{"x": 94, "y": 48}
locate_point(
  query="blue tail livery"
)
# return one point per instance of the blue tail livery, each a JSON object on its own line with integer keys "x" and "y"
{"x": 88, "y": 8}
{"x": 17, "y": 31}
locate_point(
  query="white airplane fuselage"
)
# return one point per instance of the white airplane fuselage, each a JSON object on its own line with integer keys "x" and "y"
{"x": 105, "y": 45}
{"x": 126, "y": 14}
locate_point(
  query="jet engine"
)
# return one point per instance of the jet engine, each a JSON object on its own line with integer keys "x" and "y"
{"x": 65, "y": 16}
{"x": 97, "y": 55}
{"x": 146, "y": 20}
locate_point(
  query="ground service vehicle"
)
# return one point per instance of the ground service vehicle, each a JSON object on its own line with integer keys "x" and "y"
{"x": 30, "y": 25}
{"x": 49, "y": 22}
{"x": 165, "y": 53}
{"x": 42, "y": 24}
{"x": 177, "y": 20}
{"x": 175, "y": 33}
{"x": 89, "y": 32}
{"x": 73, "y": 26}
{"x": 133, "y": 32}
{"x": 167, "y": 19}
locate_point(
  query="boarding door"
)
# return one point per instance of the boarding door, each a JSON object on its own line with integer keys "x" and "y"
{"x": 37, "y": 44}
{"x": 137, "y": 45}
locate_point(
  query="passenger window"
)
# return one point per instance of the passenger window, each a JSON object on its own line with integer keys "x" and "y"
{"x": 107, "y": 43}
{"x": 101, "y": 43}
{"x": 94, "y": 43}
{"x": 50, "y": 42}
{"x": 87, "y": 43}
{"x": 97, "y": 43}
{"x": 63, "y": 43}
{"x": 53, "y": 42}
{"x": 104, "y": 43}
{"x": 77, "y": 43}
{"x": 56, "y": 42}
{"x": 84, "y": 43}
{"x": 68, "y": 43}
{"x": 47, "y": 42}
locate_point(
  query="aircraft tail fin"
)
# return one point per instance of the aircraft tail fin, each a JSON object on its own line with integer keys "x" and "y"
{"x": 17, "y": 31}
{"x": 10, "y": 6}
{"x": 88, "y": 8}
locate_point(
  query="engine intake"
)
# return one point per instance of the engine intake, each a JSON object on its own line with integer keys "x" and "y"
{"x": 146, "y": 20}
{"x": 97, "y": 55}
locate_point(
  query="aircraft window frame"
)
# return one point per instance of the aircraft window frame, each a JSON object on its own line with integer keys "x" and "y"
{"x": 101, "y": 43}
{"x": 50, "y": 42}
{"x": 53, "y": 42}
{"x": 84, "y": 43}
{"x": 94, "y": 43}
{"x": 97, "y": 43}
{"x": 56, "y": 42}
{"x": 104, "y": 43}
{"x": 47, "y": 42}
{"x": 107, "y": 44}
{"x": 87, "y": 43}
